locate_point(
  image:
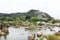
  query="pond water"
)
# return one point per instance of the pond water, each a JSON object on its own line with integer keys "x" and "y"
{"x": 21, "y": 34}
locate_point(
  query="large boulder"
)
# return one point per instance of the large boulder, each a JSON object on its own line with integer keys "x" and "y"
{"x": 39, "y": 34}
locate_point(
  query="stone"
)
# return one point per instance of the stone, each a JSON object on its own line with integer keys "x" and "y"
{"x": 39, "y": 34}
{"x": 31, "y": 37}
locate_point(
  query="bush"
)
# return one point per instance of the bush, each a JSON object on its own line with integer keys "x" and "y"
{"x": 33, "y": 19}
{"x": 51, "y": 37}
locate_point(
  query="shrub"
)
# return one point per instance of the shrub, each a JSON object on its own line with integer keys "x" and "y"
{"x": 51, "y": 37}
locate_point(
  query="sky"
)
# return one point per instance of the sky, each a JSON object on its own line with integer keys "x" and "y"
{"x": 52, "y": 7}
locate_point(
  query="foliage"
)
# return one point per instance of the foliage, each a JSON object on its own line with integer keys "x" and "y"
{"x": 33, "y": 19}
{"x": 22, "y": 18}
{"x": 55, "y": 21}
{"x": 41, "y": 38}
{"x": 27, "y": 18}
{"x": 51, "y": 37}
{"x": 44, "y": 19}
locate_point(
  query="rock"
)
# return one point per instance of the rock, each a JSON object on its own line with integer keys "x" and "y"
{"x": 2, "y": 33}
{"x": 31, "y": 37}
{"x": 51, "y": 30}
{"x": 57, "y": 33}
{"x": 26, "y": 27}
{"x": 39, "y": 34}
{"x": 5, "y": 30}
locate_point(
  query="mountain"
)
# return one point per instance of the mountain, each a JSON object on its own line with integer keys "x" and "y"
{"x": 35, "y": 13}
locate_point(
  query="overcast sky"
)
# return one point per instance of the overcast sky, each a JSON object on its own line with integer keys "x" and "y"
{"x": 52, "y": 7}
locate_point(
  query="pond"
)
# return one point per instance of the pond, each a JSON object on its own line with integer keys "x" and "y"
{"x": 21, "y": 34}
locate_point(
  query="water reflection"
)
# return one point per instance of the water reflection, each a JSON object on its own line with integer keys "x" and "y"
{"x": 0, "y": 37}
{"x": 3, "y": 37}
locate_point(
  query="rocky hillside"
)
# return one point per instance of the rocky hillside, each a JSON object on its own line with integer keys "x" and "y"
{"x": 35, "y": 13}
